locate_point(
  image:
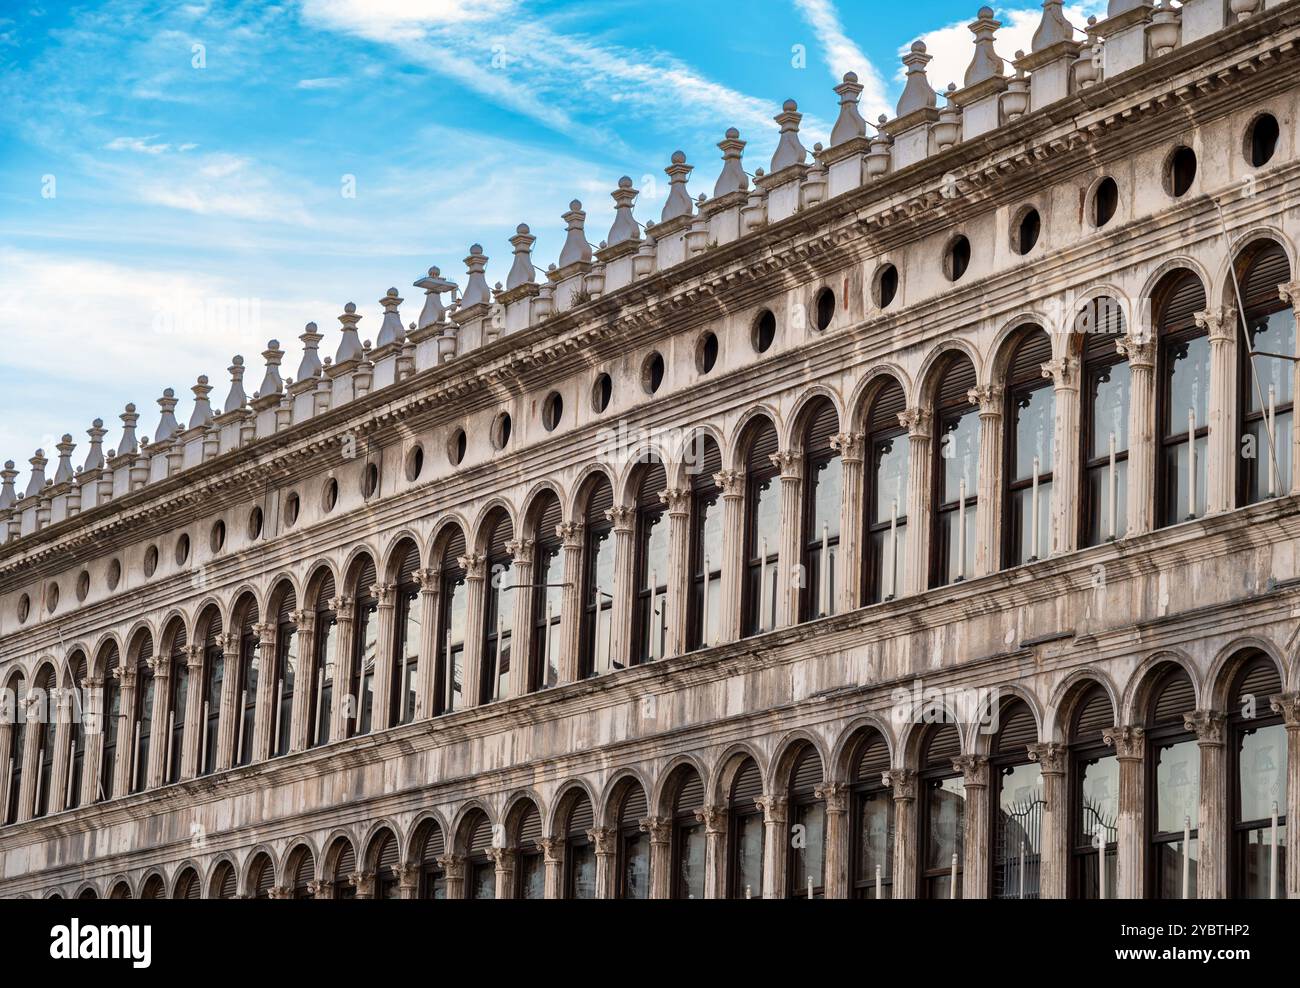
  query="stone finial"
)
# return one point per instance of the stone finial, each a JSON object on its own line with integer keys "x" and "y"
{"x": 732, "y": 177}
{"x": 38, "y": 474}
{"x": 202, "y": 414}
{"x": 350, "y": 344}
{"x": 129, "y": 418}
{"x": 390, "y": 330}
{"x": 271, "y": 384}
{"x": 7, "y": 494}
{"x": 310, "y": 363}
{"x": 918, "y": 94}
{"x": 849, "y": 123}
{"x": 167, "y": 424}
{"x": 434, "y": 286}
{"x": 788, "y": 149}
{"x": 1053, "y": 28}
{"x": 235, "y": 398}
{"x": 522, "y": 271}
{"x": 985, "y": 64}
{"x": 95, "y": 456}
{"x": 575, "y": 247}
{"x": 624, "y": 228}
{"x": 476, "y": 286}
{"x": 679, "y": 200}
{"x": 63, "y": 473}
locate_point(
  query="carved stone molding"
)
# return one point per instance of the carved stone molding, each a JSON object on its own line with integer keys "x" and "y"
{"x": 1128, "y": 742}
{"x": 1050, "y": 757}
{"x": 1207, "y": 725}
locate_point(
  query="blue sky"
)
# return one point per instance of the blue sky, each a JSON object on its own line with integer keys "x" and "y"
{"x": 164, "y": 206}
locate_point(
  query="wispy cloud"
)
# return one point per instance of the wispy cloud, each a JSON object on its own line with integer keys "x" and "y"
{"x": 327, "y": 82}
{"x": 141, "y": 145}
{"x": 842, "y": 55}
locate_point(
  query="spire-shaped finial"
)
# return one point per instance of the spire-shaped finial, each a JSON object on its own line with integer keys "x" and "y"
{"x": 850, "y": 123}
{"x": 575, "y": 247}
{"x": 788, "y": 150}
{"x": 167, "y": 424}
{"x": 7, "y": 494}
{"x": 476, "y": 286}
{"x": 917, "y": 92}
{"x": 433, "y": 286}
{"x": 310, "y": 363}
{"x": 38, "y": 473}
{"x": 732, "y": 178}
{"x": 625, "y": 226}
{"x": 236, "y": 398}
{"x": 129, "y": 419}
{"x": 390, "y": 330}
{"x": 95, "y": 456}
{"x": 522, "y": 271}
{"x": 271, "y": 384}
{"x": 63, "y": 473}
{"x": 679, "y": 200}
{"x": 986, "y": 64}
{"x": 202, "y": 414}
{"x": 1053, "y": 28}
{"x": 350, "y": 344}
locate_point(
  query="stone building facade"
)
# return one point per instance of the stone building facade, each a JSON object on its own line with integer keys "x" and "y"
{"x": 916, "y": 518}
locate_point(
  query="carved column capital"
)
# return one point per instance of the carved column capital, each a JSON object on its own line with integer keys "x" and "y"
{"x": 521, "y": 551}
{"x": 229, "y": 643}
{"x": 553, "y": 849}
{"x": 659, "y": 828}
{"x": 429, "y": 579}
{"x": 265, "y": 632}
{"x": 677, "y": 499}
{"x": 623, "y": 517}
{"x": 989, "y": 399}
{"x": 503, "y": 857}
{"x": 974, "y": 770}
{"x": 452, "y": 865}
{"x": 774, "y": 808}
{"x": 474, "y": 565}
{"x": 1207, "y": 725}
{"x": 790, "y": 463}
{"x": 1050, "y": 757}
{"x": 1289, "y": 292}
{"x": 714, "y": 818}
{"x": 849, "y": 445}
{"x": 917, "y": 421}
{"x": 341, "y": 605}
{"x": 903, "y": 783}
{"x": 1288, "y": 705}
{"x": 570, "y": 533}
{"x": 835, "y": 795}
{"x": 364, "y": 883}
{"x": 1140, "y": 351}
{"x": 1062, "y": 372}
{"x": 383, "y": 593}
{"x": 730, "y": 482}
{"x": 1219, "y": 323}
{"x": 1128, "y": 742}
{"x": 194, "y": 657}
{"x": 604, "y": 839}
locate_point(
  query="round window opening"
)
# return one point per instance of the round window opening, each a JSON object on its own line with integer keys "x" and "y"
{"x": 1261, "y": 140}
{"x": 150, "y": 560}
{"x": 1028, "y": 231}
{"x": 218, "y": 536}
{"x": 501, "y": 431}
{"x": 652, "y": 373}
{"x": 957, "y": 258}
{"x": 330, "y": 496}
{"x": 414, "y": 462}
{"x": 370, "y": 480}
{"x": 114, "y": 574}
{"x": 764, "y": 334}
{"x": 182, "y": 550}
{"x": 1180, "y": 172}
{"x": 456, "y": 447}
{"x": 255, "y": 523}
{"x": 706, "y": 353}
{"x": 52, "y": 598}
{"x": 825, "y": 308}
{"x": 886, "y": 286}
{"x": 83, "y": 585}
{"x": 24, "y": 607}
{"x": 601, "y": 392}
{"x": 552, "y": 411}
{"x": 1105, "y": 202}
{"x": 292, "y": 505}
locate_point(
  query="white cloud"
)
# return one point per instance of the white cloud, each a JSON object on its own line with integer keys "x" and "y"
{"x": 842, "y": 55}
{"x": 140, "y": 145}
{"x": 327, "y": 82}
{"x": 399, "y": 20}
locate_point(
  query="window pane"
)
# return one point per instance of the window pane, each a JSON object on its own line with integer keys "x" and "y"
{"x": 954, "y": 563}
{"x": 1268, "y": 469}
{"x": 888, "y": 561}
{"x": 455, "y": 605}
{"x": 1102, "y": 483}
{"x": 532, "y": 876}
{"x": 500, "y": 615}
{"x": 808, "y": 838}
{"x": 582, "y": 871}
{"x": 1177, "y": 481}
{"x": 1259, "y": 865}
{"x": 890, "y": 481}
{"x": 636, "y": 867}
{"x": 690, "y": 861}
{"x": 1035, "y": 425}
{"x": 1178, "y": 786}
{"x": 875, "y": 841}
{"x": 827, "y": 479}
{"x": 483, "y": 881}
{"x": 1169, "y": 870}
{"x": 947, "y": 806}
{"x": 1273, "y": 333}
{"x": 1262, "y": 773}
{"x": 1099, "y": 806}
{"x": 959, "y": 452}
{"x": 1031, "y": 542}
{"x": 1018, "y": 833}
{"x": 326, "y": 630}
{"x": 1109, "y": 402}
{"x": 410, "y": 657}
{"x": 1188, "y": 375}
{"x": 369, "y": 616}
{"x": 749, "y": 857}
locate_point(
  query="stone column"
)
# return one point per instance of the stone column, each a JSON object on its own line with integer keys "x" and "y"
{"x": 790, "y": 564}
{"x": 453, "y": 869}
{"x": 192, "y": 737}
{"x": 620, "y": 640}
{"x": 97, "y": 716}
{"x": 364, "y": 883}
{"x": 1065, "y": 454}
{"x": 30, "y": 756}
{"x": 1130, "y": 751}
{"x": 606, "y": 841}
{"x": 836, "y": 797}
{"x": 679, "y": 566}
{"x": 975, "y": 848}
{"x": 305, "y": 679}
{"x": 919, "y": 423}
{"x": 344, "y": 618}
{"x": 1054, "y": 860}
{"x": 126, "y": 676}
{"x": 852, "y": 525}
{"x": 521, "y": 629}
{"x": 988, "y": 509}
{"x": 381, "y": 714}
{"x": 553, "y": 862}
{"x": 228, "y": 726}
{"x": 1212, "y": 833}
{"x": 1288, "y": 705}
{"x": 61, "y": 737}
{"x": 903, "y": 783}
{"x": 426, "y": 673}
{"x": 732, "y": 485}
{"x": 660, "y": 831}
{"x": 1221, "y": 469}
{"x": 475, "y": 568}
{"x": 1141, "y": 493}
{"x": 162, "y": 698}
{"x": 505, "y": 858}
{"x": 408, "y": 882}
{"x": 571, "y": 535}
{"x": 714, "y": 819}
{"x": 264, "y": 715}
{"x": 776, "y": 816}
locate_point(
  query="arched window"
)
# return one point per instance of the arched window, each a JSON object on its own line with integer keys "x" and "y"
{"x": 823, "y": 497}
{"x": 154, "y": 888}
{"x": 225, "y": 883}
{"x": 704, "y": 606}
{"x": 598, "y": 583}
{"x": 633, "y": 845}
{"x": 303, "y": 871}
{"x": 250, "y": 667}
{"x": 1094, "y": 792}
{"x": 345, "y": 865}
{"x": 88, "y": 893}
{"x": 1174, "y": 782}
{"x": 407, "y": 624}
{"x": 286, "y": 669}
{"x": 745, "y": 837}
{"x": 579, "y": 851}
{"x": 498, "y": 613}
{"x": 548, "y": 593}
{"x": 1106, "y": 386}
{"x": 261, "y": 877}
{"x": 688, "y": 840}
{"x": 180, "y": 684}
{"x": 452, "y": 616}
{"x": 1031, "y": 424}
{"x": 1018, "y": 804}
{"x": 365, "y": 645}
{"x": 650, "y": 564}
{"x": 888, "y": 454}
{"x": 872, "y": 820}
{"x": 530, "y": 865}
{"x": 385, "y": 855}
{"x": 1265, "y": 393}
{"x": 77, "y": 745}
{"x": 762, "y": 529}
{"x": 480, "y": 869}
{"x": 433, "y": 882}
{"x": 320, "y": 710}
{"x": 13, "y": 719}
{"x": 956, "y": 457}
{"x": 1257, "y": 776}
{"x": 1183, "y": 401}
{"x": 45, "y": 686}
{"x": 941, "y": 816}
{"x": 110, "y": 712}
{"x": 120, "y": 891}
{"x": 807, "y": 870}
{"x": 188, "y": 885}
{"x": 142, "y": 717}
